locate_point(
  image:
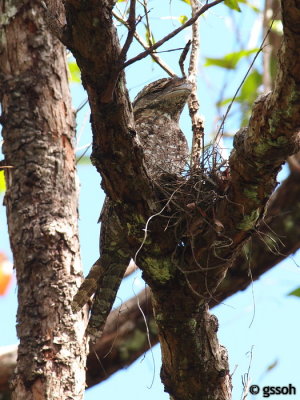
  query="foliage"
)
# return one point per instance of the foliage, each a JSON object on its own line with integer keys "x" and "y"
{"x": 230, "y": 60}
{"x": 248, "y": 94}
{"x": 75, "y": 75}
{"x": 295, "y": 292}
{"x": 234, "y": 4}
{"x": 2, "y": 181}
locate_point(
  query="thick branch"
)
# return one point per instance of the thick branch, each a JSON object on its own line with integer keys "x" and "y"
{"x": 259, "y": 151}
{"x": 124, "y": 338}
{"x": 282, "y": 222}
{"x": 116, "y": 152}
{"x": 272, "y": 134}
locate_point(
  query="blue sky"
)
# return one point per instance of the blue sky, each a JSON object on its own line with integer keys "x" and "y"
{"x": 262, "y": 318}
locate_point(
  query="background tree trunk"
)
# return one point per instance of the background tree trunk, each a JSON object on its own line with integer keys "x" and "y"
{"x": 41, "y": 201}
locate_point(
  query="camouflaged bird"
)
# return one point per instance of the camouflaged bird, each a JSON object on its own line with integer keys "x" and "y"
{"x": 157, "y": 109}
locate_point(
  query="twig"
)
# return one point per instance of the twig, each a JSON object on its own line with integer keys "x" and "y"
{"x": 83, "y": 154}
{"x": 3, "y": 165}
{"x": 131, "y": 29}
{"x": 155, "y": 57}
{"x": 246, "y": 378}
{"x": 171, "y": 34}
{"x": 80, "y": 107}
{"x": 145, "y": 6}
{"x": 193, "y": 102}
{"x": 183, "y": 57}
{"x": 267, "y": 54}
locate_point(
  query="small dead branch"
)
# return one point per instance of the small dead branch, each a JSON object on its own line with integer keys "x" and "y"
{"x": 131, "y": 24}
{"x": 171, "y": 34}
{"x": 154, "y": 56}
{"x": 183, "y": 57}
{"x": 193, "y": 102}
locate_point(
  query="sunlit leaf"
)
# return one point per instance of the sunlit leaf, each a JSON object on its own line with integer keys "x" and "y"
{"x": 75, "y": 76}
{"x": 149, "y": 37}
{"x": 225, "y": 102}
{"x": 255, "y": 9}
{"x": 249, "y": 90}
{"x": 229, "y": 61}
{"x": 247, "y": 96}
{"x": 2, "y": 181}
{"x": 233, "y": 4}
{"x": 187, "y": 1}
{"x": 277, "y": 27}
{"x": 295, "y": 292}
{"x": 182, "y": 19}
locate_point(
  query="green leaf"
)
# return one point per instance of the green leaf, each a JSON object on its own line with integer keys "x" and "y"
{"x": 247, "y": 96}
{"x": 250, "y": 87}
{"x": 229, "y": 61}
{"x": 255, "y": 9}
{"x": 2, "y": 182}
{"x": 149, "y": 37}
{"x": 75, "y": 75}
{"x": 225, "y": 101}
{"x": 182, "y": 19}
{"x": 233, "y": 4}
{"x": 277, "y": 27}
{"x": 295, "y": 292}
{"x": 249, "y": 91}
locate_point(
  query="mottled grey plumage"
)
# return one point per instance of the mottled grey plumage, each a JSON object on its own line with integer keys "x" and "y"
{"x": 157, "y": 109}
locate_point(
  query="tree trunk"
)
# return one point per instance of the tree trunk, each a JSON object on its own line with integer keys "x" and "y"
{"x": 41, "y": 200}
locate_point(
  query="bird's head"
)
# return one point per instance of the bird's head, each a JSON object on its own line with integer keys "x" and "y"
{"x": 165, "y": 96}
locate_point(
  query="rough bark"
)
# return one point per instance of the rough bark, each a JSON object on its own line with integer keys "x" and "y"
{"x": 186, "y": 265}
{"x": 41, "y": 201}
